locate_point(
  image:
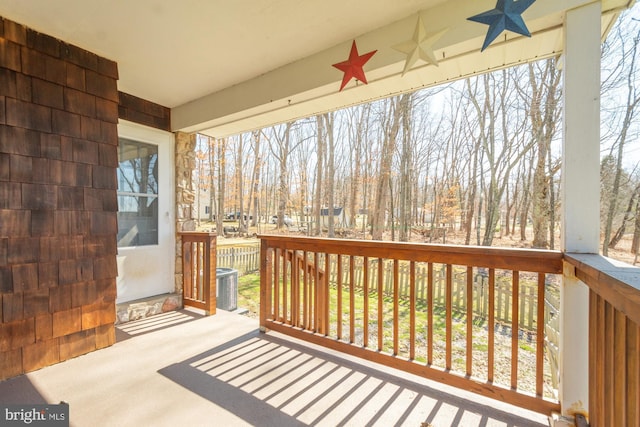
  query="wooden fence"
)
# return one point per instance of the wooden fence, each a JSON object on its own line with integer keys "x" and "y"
{"x": 244, "y": 258}
{"x": 528, "y": 289}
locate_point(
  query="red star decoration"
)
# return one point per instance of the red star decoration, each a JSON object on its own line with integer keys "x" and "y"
{"x": 352, "y": 67}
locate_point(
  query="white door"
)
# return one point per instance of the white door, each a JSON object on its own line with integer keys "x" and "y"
{"x": 146, "y": 228}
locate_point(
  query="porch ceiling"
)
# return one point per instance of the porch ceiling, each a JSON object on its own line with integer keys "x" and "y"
{"x": 231, "y": 66}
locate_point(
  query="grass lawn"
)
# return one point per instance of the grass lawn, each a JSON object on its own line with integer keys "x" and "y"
{"x": 249, "y": 293}
{"x": 249, "y": 298}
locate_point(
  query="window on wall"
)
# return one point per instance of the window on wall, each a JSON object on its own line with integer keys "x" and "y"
{"x": 137, "y": 193}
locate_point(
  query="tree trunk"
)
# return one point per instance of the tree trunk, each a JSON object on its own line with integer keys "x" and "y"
{"x": 391, "y": 129}
{"x": 628, "y": 215}
{"x": 405, "y": 197}
{"x": 257, "y": 168}
{"x": 222, "y": 183}
{"x": 331, "y": 172}
{"x": 543, "y": 113}
{"x": 473, "y": 190}
{"x": 631, "y": 103}
{"x": 319, "y": 182}
{"x": 240, "y": 180}
{"x": 212, "y": 180}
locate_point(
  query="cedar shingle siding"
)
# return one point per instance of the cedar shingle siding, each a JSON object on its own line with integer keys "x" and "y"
{"x": 144, "y": 112}
{"x": 58, "y": 204}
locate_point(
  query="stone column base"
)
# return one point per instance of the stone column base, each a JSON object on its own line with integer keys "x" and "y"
{"x": 143, "y": 308}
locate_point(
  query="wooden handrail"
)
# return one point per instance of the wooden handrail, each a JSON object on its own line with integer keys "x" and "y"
{"x": 199, "y": 270}
{"x": 616, "y": 281}
{"x": 614, "y": 338}
{"x": 291, "y": 267}
{"x": 532, "y": 260}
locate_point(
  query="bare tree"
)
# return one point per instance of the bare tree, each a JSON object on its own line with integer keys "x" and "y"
{"x": 317, "y": 206}
{"x": 222, "y": 184}
{"x": 212, "y": 177}
{"x": 255, "y": 177}
{"x": 406, "y": 170}
{"x": 390, "y": 129}
{"x": 544, "y": 113}
{"x": 360, "y": 130}
{"x": 628, "y": 78}
{"x": 330, "y": 175}
{"x": 281, "y": 147}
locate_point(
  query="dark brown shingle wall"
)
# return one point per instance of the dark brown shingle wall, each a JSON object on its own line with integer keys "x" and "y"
{"x": 58, "y": 160}
{"x": 144, "y": 112}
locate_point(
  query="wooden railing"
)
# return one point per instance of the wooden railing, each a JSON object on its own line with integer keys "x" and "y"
{"x": 480, "y": 304}
{"x": 355, "y": 315}
{"x": 614, "y": 339}
{"x": 199, "y": 270}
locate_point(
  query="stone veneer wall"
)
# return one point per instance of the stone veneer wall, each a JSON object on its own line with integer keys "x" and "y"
{"x": 58, "y": 203}
{"x": 185, "y": 194}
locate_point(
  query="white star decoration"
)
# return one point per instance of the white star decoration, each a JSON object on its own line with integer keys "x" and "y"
{"x": 420, "y": 46}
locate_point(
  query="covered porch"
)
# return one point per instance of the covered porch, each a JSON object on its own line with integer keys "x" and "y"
{"x": 183, "y": 368}
{"x": 59, "y": 305}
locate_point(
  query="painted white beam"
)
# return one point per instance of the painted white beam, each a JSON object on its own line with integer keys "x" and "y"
{"x": 580, "y": 195}
{"x": 310, "y": 85}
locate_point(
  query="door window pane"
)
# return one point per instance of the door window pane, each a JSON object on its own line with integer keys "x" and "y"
{"x": 137, "y": 193}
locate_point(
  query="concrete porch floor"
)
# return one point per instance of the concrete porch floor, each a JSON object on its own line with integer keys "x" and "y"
{"x": 183, "y": 369}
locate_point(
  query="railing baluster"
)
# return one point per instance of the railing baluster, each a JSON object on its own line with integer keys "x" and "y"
{"x": 491, "y": 331}
{"x": 198, "y": 275}
{"x": 352, "y": 302}
{"x": 295, "y": 288}
{"x": 540, "y": 334}
{"x": 326, "y": 293}
{"x": 317, "y": 292}
{"x": 619, "y": 369}
{"x": 339, "y": 296}
{"x": 305, "y": 291}
{"x": 365, "y": 266}
{"x": 380, "y": 308}
{"x": 430, "y": 314}
{"x": 286, "y": 267}
{"x": 608, "y": 360}
{"x": 412, "y": 310}
{"x": 396, "y": 301}
{"x": 633, "y": 373}
{"x": 279, "y": 258}
{"x": 449, "y": 314}
{"x": 469, "y": 301}
{"x": 301, "y": 292}
{"x": 515, "y": 328}
{"x": 596, "y": 333}
{"x": 299, "y": 288}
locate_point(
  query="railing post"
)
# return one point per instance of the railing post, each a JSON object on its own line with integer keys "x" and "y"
{"x": 187, "y": 270}
{"x": 210, "y": 279}
{"x": 265, "y": 284}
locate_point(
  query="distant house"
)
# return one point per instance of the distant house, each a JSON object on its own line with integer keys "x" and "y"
{"x": 339, "y": 217}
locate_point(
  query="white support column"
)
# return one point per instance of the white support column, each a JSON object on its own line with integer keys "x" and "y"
{"x": 580, "y": 195}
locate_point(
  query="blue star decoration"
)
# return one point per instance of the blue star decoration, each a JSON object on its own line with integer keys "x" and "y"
{"x": 505, "y": 16}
